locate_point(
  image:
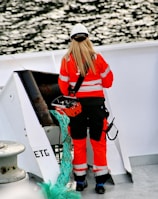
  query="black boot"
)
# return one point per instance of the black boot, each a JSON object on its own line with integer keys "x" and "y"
{"x": 81, "y": 182}
{"x": 99, "y": 188}
{"x": 100, "y": 181}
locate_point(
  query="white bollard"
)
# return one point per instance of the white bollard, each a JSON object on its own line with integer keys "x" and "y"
{"x": 9, "y": 171}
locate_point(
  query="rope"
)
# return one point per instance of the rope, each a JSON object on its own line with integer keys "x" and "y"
{"x": 59, "y": 190}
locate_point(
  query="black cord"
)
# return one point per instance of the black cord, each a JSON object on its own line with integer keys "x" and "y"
{"x": 109, "y": 128}
{"x": 112, "y": 139}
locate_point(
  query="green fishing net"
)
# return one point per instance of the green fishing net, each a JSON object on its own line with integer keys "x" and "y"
{"x": 59, "y": 190}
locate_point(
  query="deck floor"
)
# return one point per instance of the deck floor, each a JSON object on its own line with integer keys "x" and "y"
{"x": 145, "y": 186}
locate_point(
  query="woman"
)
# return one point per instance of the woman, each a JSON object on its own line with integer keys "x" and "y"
{"x": 82, "y": 59}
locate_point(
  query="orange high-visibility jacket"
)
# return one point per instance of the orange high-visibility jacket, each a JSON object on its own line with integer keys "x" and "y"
{"x": 93, "y": 84}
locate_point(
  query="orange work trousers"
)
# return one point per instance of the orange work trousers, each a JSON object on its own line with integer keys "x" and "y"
{"x": 99, "y": 156}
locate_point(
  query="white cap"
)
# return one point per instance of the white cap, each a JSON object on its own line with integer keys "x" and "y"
{"x": 77, "y": 29}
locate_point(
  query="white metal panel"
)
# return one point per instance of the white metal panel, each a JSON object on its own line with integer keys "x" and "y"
{"x": 41, "y": 61}
{"x": 38, "y": 158}
{"x": 134, "y": 95}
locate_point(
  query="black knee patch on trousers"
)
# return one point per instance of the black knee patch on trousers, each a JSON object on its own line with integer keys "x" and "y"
{"x": 95, "y": 131}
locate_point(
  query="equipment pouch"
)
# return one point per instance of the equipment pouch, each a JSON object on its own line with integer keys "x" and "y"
{"x": 69, "y": 105}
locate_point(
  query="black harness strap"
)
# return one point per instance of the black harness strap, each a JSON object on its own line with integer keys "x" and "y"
{"x": 78, "y": 83}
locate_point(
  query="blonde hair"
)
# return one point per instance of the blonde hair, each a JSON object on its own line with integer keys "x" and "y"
{"x": 82, "y": 52}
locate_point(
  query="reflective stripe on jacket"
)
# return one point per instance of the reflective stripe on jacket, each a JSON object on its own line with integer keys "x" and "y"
{"x": 92, "y": 85}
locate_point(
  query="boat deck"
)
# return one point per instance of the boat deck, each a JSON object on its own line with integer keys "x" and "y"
{"x": 145, "y": 186}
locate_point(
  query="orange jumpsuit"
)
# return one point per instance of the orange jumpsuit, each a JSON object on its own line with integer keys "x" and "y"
{"x": 93, "y": 118}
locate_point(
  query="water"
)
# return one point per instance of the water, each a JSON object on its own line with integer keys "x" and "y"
{"x": 39, "y": 25}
